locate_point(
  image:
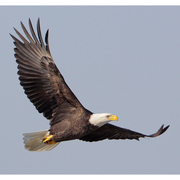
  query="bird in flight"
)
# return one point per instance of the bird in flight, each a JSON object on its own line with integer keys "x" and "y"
{"x": 46, "y": 88}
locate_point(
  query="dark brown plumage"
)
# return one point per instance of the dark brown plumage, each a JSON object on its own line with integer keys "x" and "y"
{"x": 110, "y": 131}
{"x": 47, "y": 90}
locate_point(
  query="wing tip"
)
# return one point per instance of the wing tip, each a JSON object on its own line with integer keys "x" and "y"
{"x": 160, "y": 131}
{"x": 164, "y": 129}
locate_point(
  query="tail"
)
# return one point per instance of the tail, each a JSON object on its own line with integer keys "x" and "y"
{"x": 34, "y": 141}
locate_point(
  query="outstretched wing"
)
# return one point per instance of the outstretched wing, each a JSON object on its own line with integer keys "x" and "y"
{"x": 43, "y": 83}
{"x": 110, "y": 131}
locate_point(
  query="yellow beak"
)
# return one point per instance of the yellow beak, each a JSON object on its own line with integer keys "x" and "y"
{"x": 113, "y": 118}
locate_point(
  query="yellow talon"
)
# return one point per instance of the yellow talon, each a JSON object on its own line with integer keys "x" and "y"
{"x": 48, "y": 140}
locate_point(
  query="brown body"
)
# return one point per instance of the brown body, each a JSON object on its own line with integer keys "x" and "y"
{"x": 72, "y": 129}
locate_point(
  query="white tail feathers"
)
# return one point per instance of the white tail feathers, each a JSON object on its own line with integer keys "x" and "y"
{"x": 34, "y": 141}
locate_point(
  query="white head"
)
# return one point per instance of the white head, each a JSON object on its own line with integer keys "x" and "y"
{"x": 101, "y": 119}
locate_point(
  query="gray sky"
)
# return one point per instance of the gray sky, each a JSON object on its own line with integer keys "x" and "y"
{"x": 121, "y": 60}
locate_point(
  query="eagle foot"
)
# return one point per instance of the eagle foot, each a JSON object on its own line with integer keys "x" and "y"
{"x": 48, "y": 140}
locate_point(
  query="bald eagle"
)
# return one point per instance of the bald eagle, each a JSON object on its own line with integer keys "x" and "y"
{"x": 46, "y": 88}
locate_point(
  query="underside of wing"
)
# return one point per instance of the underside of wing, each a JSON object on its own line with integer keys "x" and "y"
{"x": 43, "y": 83}
{"x": 110, "y": 131}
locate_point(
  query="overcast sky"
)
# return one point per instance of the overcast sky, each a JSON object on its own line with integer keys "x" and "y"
{"x": 120, "y": 60}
